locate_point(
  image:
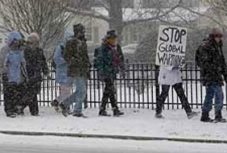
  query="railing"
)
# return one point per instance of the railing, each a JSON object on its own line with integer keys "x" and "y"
{"x": 138, "y": 89}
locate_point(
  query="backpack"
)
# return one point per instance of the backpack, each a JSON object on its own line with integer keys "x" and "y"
{"x": 198, "y": 55}
{"x": 97, "y": 54}
{"x": 53, "y": 64}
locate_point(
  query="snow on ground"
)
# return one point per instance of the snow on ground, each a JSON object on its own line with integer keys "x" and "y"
{"x": 135, "y": 123}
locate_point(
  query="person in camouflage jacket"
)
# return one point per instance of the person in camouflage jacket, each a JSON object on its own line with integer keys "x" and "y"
{"x": 210, "y": 59}
{"x": 109, "y": 61}
{"x": 36, "y": 65}
{"x": 76, "y": 56}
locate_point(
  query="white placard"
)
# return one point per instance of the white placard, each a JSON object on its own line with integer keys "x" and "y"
{"x": 171, "y": 46}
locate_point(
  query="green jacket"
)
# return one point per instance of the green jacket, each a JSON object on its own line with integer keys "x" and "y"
{"x": 104, "y": 61}
{"x": 76, "y": 56}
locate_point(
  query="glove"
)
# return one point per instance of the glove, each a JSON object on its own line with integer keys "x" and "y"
{"x": 122, "y": 74}
{"x": 176, "y": 68}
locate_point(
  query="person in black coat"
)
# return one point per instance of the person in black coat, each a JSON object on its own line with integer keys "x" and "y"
{"x": 109, "y": 61}
{"x": 36, "y": 65}
{"x": 211, "y": 60}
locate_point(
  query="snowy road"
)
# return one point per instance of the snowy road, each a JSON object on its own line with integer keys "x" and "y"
{"x": 26, "y": 144}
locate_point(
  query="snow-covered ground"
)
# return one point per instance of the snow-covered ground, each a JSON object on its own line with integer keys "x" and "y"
{"x": 44, "y": 144}
{"x": 136, "y": 122}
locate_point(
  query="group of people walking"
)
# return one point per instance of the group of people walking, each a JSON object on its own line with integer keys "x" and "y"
{"x": 23, "y": 66}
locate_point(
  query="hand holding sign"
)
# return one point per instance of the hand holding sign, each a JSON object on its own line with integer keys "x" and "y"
{"x": 171, "y": 46}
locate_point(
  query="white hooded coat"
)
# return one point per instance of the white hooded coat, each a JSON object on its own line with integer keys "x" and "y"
{"x": 168, "y": 76}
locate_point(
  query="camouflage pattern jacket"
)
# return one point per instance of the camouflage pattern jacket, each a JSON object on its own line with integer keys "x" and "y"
{"x": 76, "y": 56}
{"x": 35, "y": 64}
{"x": 210, "y": 59}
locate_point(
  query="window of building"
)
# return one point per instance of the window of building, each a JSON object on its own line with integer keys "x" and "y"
{"x": 135, "y": 34}
{"x": 128, "y": 3}
{"x": 148, "y": 3}
{"x": 88, "y": 29}
{"x": 96, "y": 35}
{"x": 168, "y": 3}
{"x": 191, "y": 3}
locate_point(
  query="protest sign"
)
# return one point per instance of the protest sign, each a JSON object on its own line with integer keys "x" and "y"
{"x": 171, "y": 46}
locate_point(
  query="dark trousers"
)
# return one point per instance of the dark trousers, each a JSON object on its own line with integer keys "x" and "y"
{"x": 30, "y": 98}
{"x": 180, "y": 93}
{"x": 109, "y": 94}
{"x": 9, "y": 103}
{"x": 13, "y": 94}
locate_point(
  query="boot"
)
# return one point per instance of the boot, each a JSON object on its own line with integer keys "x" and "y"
{"x": 103, "y": 112}
{"x": 205, "y": 117}
{"x": 11, "y": 115}
{"x": 79, "y": 114}
{"x": 191, "y": 115}
{"x": 64, "y": 110}
{"x": 117, "y": 112}
{"x": 158, "y": 113}
{"x": 159, "y": 116}
{"x": 55, "y": 104}
{"x": 219, "y": 118}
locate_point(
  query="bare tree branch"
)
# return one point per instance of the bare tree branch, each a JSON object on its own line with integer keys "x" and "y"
{"x": 46, "y": 17}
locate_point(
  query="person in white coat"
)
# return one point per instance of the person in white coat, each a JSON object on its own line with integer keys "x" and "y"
{"x": 171, "y": 76}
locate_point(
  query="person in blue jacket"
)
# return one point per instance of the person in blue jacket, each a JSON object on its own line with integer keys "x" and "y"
{"x": 15, "y": 74}
{"x": 62, "y": 78}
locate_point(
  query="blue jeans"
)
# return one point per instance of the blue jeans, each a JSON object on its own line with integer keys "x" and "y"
{"x": 78, "y": 96}
{"x": 213, "y": 90}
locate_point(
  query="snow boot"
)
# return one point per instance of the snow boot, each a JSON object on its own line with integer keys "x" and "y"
{"x": 55, "y": 104}
{"x": 205, "y": 117}
{"x": 11, "y": 115}
{"x": 77, "y": 114}
{"x": 117, "y": 113}
{"x": 103, "y": 113}
{"x": 64, "y": 110}
{"x": 191, "y": 115}
{"x": 159, "y": 116}
{"x": 219, "y": 118}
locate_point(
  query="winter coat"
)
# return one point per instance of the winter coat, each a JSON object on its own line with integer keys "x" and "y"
{"x": 76, "y": 56}
{"x": 169, "y": 76}
{"x": 15, "y": 67}
{"x": 104, "y": 61}
{"x": 14, "y": 62}
{"x": 210, "y": 59}
{"x": 35, "y": 65}
{"x": 61, "y": 66}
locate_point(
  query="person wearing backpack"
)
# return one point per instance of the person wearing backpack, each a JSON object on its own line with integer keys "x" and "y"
{"x": 213, "y": 68}
{"x": 109, "y": 61}
{"x": 61, "y": 69}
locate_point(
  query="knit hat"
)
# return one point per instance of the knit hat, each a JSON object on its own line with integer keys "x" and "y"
{"x": 215, "y": 32}
{"x": 111, "y": 34}
{"x": 78, "y": 28}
